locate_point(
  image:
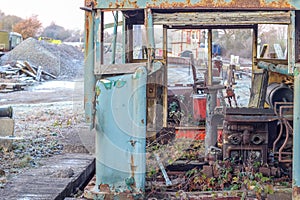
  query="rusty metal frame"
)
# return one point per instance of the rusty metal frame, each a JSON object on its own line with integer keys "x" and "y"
{"x": 284, "y": 121}
{"x": 194, "y": 4}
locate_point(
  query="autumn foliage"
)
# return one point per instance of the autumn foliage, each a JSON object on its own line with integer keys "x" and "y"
{"x": 28, "y": 27}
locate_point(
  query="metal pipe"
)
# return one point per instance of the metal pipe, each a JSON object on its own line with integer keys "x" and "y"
{"x": 281, "y": 69}
{"x": 209, "y": 59}
{"x": 115, "y": 34}
{"x": 6, "y": 112}
{"x": 254, "y": 47}
{"x": 165, "y": 88}
{"x": 211, "y": 136}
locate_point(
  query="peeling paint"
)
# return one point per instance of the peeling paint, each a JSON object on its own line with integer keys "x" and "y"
{"x": 296, "y": 193}
{"x": 223, "y": 4}
{"x": 173, "y": 4}
{"x": 91, "y": 3}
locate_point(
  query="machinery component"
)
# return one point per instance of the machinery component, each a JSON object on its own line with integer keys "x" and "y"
{"x": 257, "y": 139}
{"x": 246, "y": 137}
{"x": 235, "y": 127}
{"x": 278, "y": 93}
{"x": 282, "y": 146}
{"x": 246, "y": 133}
{"x": 235, "y": 138}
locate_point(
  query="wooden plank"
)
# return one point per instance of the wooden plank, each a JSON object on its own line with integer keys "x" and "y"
{"x": 31, "y": 69}
{"x": 38, "y": 73}
{"x": 25, "y": 71}
{"x": 48, "y": 74}
{"x": 263, "y": 50}
{"x": 222, "y": 18}
{"x": 258, "y": 89}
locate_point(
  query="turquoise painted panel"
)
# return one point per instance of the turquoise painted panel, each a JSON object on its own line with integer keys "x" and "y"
{"x": 121, "y": 131}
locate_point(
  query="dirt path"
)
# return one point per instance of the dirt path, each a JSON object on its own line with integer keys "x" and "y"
{"x": 49, "y": 117}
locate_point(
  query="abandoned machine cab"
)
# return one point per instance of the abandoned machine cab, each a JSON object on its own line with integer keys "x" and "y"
{"x": 175, "y": 67}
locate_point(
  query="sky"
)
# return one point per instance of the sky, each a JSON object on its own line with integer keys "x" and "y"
{"x": 65, "y": 13}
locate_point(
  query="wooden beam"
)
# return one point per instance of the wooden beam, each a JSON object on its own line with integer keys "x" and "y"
{"x": 222, "y": 18}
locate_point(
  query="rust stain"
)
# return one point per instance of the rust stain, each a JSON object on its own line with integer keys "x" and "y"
{"x": 296, "y": 192}
{"x": 132, "y": 166}
{"x": 91, "y": 3}
{"x": 124, "y": 3}
{"x": 221, "y": 4}
{"x": 104, "y": 188}
{"x": 88, "y": 17}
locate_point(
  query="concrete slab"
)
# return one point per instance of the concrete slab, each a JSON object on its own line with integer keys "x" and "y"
{"x": 6, "y": 129}
{"x": 57, "y": 177}
{"x": 6, "y": 126}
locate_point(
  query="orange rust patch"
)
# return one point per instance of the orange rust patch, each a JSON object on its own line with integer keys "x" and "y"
{"x": 222, "y": 4}
{"x": 124, "y": 3}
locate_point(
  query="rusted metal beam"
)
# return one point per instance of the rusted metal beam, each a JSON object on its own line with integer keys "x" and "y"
{"x": 199, "y": 26}
{"x": 199, "y": 4}
{"x": 89, "y": 78}
{"x": 211, "y": 102}
{"x": 150, "y": 37}
{"x": 165, "y": 77}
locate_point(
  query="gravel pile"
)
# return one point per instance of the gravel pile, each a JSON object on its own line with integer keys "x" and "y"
{"x": 64, "y": 61}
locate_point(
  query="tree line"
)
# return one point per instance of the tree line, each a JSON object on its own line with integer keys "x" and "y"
{"x": 32, "y": 27}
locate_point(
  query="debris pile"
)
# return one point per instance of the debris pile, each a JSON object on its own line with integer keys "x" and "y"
{"x": 14, "y": 77}
{"x": 35, "y": 60}
{"x": 63, "y": 61}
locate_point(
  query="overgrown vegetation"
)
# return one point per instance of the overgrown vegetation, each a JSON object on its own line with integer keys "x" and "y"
{"x": 231, "y": 175}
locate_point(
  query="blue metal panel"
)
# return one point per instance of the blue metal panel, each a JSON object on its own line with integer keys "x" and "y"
{"x": 256, "y": 4}
{"x": 121, "y": 131}
{"x": 296, "y": 126}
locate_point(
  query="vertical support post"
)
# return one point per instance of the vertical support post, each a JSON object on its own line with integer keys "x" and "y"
{"x": 115, "y": 34}
{"x": 254, "y": 47}
{"x": 124, "y": 39}
{"x": 296, "y": 137}
{"x": 291, "y": 44}
{"x": 293, "y": 27}
{"x": 89, "y": 77}
{"x": 211, "y": 99}
{"x": 150, "y": 37}
{"x": 209, "y": 59}
{"x": 165, "y": 79}
{"x": 130, "y": 42}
